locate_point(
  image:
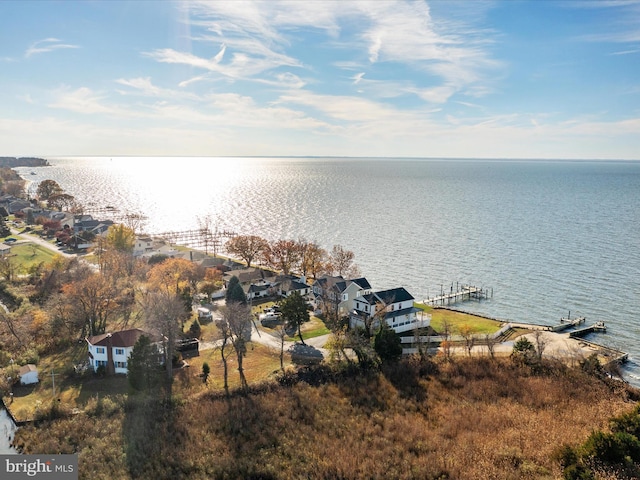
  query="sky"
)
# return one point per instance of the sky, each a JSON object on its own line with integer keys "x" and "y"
{"x": 466, "y": 79}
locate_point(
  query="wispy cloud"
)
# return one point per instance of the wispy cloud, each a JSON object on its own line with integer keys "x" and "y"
{"x": 86, "y": 101}
{"x": 144, "y": 86}
{"x": 626, "y": 52}
{"x": 257, "y": 38}
{"x": 47, "y": 45}
{"x": 620, "y": 20}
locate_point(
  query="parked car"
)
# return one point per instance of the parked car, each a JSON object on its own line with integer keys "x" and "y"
{"x": 10, "y": 240}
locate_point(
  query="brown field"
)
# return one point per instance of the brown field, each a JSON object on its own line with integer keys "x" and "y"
{"x": 473, "y": 418}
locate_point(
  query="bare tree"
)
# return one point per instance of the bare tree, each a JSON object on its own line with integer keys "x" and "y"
{"x": 490, "y": 341}
{"x": 135, "y": 221}
{"x": 226, "y": 349}
{"x": 341, "y": 262}
{"x": 422, "y": 340}
{"x": 236, "y": 322}
{"x": 281, "y": 335}
{"x": 162, "y": 311}
{"x": 468, "y": 334}
{"x": 540, "y": 342}
{"x": 446, "y": 343}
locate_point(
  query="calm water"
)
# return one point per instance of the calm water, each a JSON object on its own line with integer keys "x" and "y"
{"x": 548, "y": 237}
{"x": 7, "y": 429}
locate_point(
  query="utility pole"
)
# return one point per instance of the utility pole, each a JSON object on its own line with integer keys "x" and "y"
{"x": 53, "y": 382}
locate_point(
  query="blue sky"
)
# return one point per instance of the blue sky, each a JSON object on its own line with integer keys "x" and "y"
{"x": 488, "y": 79}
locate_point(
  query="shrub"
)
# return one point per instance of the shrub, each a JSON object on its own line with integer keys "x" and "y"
{"x": 613, "y": 448}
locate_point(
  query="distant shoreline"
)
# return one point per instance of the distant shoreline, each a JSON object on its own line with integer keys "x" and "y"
{"x": 12, "y": 162}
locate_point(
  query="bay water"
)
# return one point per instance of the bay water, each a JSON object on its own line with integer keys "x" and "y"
{"x": 548, "y": 237}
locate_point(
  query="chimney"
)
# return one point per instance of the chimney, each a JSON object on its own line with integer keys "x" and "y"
{"x": 111, "y": 368}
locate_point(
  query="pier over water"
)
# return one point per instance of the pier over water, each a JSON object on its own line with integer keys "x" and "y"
{"x": 461, "y": 293}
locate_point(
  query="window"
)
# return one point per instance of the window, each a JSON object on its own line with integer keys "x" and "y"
{"x": 101, "y": 363}
{"x": 99, "y": 349}
{"x": 121, "y": 364}
{"x": 119, "y": 351}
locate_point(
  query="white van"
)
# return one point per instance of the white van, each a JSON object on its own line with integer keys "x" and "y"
{"x": 204, "y": 314}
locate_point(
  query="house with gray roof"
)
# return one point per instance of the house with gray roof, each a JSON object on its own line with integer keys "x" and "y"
{"x": 339, "y": 294}
{"x": 394, "y": 306}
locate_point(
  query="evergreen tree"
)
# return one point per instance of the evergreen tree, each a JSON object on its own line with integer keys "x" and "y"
{"x": 143, "y": 366}
{"x": 235, "y": 293}
{"x": 195, "y": 330}
{"x": 294, "y": 312}
{"x": 387, "y": 343}
{"x": 4, "y": 230}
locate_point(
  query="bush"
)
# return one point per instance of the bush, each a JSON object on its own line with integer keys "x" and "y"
{"x": 613, "y": 448}
{"x": 577, "y": 472}
{"x": 628, "y": 423}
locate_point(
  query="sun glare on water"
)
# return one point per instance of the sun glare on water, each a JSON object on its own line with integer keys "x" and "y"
{"x": 176, "y": 187}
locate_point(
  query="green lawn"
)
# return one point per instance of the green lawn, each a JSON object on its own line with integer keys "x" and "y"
{"x": 479, "y": 325}
{"x": 28, "y": 254}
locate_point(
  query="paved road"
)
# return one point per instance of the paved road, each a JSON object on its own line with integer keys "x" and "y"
{"x": 28, "y": 238}
{"x": 265, "y": 338}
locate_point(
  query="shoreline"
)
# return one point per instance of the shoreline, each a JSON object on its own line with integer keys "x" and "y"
{"x": 29, "y": 182}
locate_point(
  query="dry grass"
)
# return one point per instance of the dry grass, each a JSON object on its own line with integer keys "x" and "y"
{"x": 470, "y": 419}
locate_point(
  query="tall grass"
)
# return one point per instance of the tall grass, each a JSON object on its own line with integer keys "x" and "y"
{"x": 468, "y": 419}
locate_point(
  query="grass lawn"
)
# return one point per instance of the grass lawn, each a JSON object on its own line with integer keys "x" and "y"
{"x": 28, "y": 254}
{"x": 479, "y": 325}
{"x": 260, "y": 363}
{"x": 315, "y": 327}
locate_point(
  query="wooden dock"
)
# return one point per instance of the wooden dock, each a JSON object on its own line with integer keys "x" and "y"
{"x": 461, "y": 293}
{"x": 596, "y": 327}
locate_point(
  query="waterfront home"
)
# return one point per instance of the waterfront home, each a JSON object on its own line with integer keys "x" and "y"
{"x": 247, "y": 276}
{"x": 395, "y": 306}
{"x": 286, "y": 285}
{"x": 142, "y": 245}
{"x": 112, "y": 350}
{"x": 258, "y": 290}
{"x": 338, "y": 294}
{"x": 17, "y": 206}
{"x": 86, "y": 223}
{"x": 28, "y": 374}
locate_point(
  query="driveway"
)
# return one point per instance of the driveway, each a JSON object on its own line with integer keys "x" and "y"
{"x": 30, "y": 238}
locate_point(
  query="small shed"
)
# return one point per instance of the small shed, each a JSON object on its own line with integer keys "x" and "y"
{"x": 28, "y": 374}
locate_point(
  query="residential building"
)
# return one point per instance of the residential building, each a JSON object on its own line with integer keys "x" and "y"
{"x": 339, "y": 294}
{"x": 395, "y": 306}
{"x": 112, "y": 350}
{"x": 142, "y": 245}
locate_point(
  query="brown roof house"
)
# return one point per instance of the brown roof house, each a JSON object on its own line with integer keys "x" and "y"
{"x": 112, "y": 350}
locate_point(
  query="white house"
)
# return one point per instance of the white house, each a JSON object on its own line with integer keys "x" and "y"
{"x": 112, "y": 350}
{"x": 395, "y": 306}
{"x": 28, "y": 374}
{"x": 142, "y": 245}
